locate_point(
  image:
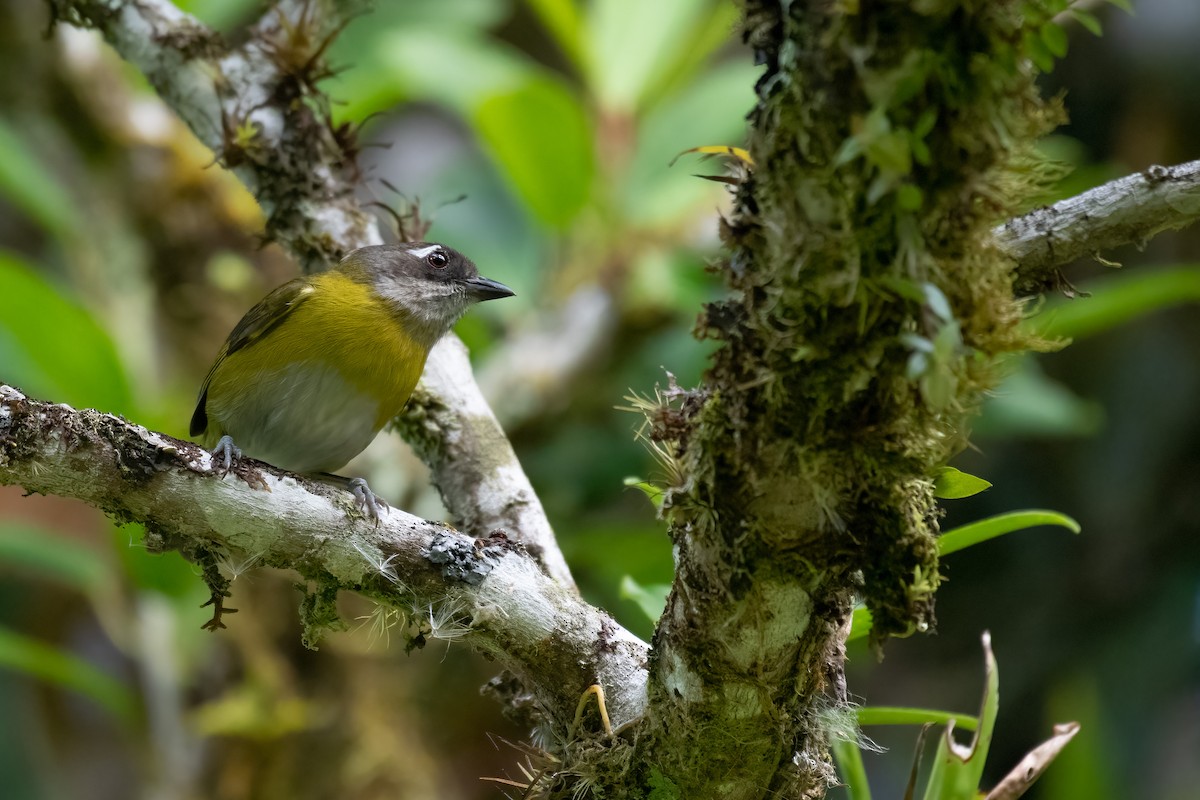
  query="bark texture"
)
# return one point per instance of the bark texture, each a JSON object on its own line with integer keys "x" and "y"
{"x": 1132, "y": 209}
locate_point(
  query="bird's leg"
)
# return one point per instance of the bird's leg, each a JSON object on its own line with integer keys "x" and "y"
{"x": 366, "y": 500}
{"x": 227, "y": 450}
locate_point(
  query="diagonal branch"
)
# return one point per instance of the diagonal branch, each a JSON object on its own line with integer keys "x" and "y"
{"x": 489, "y": 589}
{"x": 1129, "y": 210}
{"x": 256, "y": 107}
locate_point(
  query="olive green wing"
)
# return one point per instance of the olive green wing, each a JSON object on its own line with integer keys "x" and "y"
{"x": 258, "y": 322}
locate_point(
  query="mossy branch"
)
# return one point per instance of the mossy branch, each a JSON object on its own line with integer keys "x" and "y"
{"x": 502, "y": 601}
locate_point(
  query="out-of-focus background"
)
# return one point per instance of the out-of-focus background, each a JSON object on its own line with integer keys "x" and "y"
{"x": 538, "y": 137}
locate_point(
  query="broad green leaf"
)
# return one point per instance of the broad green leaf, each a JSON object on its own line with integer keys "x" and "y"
{"x": 52, "y": 348}
{"x": 452, "y": 68}
{"x": 952, "y": 484}
{"x": 50, "y": 664}
{"x": 848, "y": 758}
{"x": 385, "y": 55}
{"x": 889, "y": 715}
{"x": 27, "y": 183}
{"x": 975, "y": 532}
{"x": 541, "y": 138}
{"x": 1119, "y": 299}
{"x": 651, "y": 599}
{"x": 1030, "y": 404}
{"x": 632, "y": 41}
{"x": 48, "y": 554}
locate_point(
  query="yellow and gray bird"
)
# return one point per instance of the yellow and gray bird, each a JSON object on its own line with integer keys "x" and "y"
{"x": 314, "y": 371}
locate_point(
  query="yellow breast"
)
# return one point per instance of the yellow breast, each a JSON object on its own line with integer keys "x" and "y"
{"x": 313, "y": 391}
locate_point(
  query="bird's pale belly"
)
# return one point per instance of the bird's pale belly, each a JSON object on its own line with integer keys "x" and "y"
{"x": 304, "y": 418}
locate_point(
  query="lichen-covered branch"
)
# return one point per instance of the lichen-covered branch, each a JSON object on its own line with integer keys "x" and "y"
{"x": 1132, "y": 209}
{"x": 257, "y": 107}
{"x": 449, "y": 423}
{"x": 488, "y": 591}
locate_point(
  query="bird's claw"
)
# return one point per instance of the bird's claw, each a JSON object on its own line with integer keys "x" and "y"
{"x": 366, "y": 500}
{"x": 228, "y": 451}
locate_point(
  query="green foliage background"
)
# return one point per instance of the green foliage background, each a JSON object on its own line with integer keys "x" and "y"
{"x": 125, "y": 257}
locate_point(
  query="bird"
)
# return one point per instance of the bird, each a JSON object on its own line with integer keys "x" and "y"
{"x": 314, "y": 371}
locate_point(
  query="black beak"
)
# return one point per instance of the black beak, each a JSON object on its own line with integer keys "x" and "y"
{"x": 480, "y": 289}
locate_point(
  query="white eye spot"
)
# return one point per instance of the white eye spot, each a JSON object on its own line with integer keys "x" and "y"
{"x": 422, "y": 252}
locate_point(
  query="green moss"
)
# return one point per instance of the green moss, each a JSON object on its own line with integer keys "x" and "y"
{"x": 318, "y": 611}
{"x": 867, "y": 305}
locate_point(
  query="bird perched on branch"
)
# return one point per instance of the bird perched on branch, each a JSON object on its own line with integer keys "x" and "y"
{"x": 314, "y": 371}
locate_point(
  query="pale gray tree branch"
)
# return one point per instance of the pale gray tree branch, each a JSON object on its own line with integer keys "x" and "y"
{"x": 488, "y": 591}
{"x": 246, "y": 104}
{"x": 1132, "y": 209}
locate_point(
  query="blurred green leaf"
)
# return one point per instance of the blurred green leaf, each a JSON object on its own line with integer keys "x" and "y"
{"x": 848, "y": 757}
{"x": 221, "y": 14}
{"x": 1087, "y": 768}
{"x": 402, "y": 49}
{"x": 166, "y": 573}
{"x": 711, "y": 109}
{"x": 47, "y": 553}
{"x": 711, "y": 32}
{"x": 458, "y": 69}
{"x": 1119, "y": 299}
{"x": 31, "y": 187}
{"x": 1088, "y": 20}
{"x": 52, "y": 348}
{"x": 541, "y": 138}
{"x": 952, "y": 484}
{"x": 651, "y": 598}
{"x": 562, "y": 19}
{"x": 1055, "y": 39}
{"x": 975, "y": 532}
{"x": 631, "y": 41}
{"x": 50, "y": 664}
{"x": 891, "y": 715}
{"x": 1028, "y": 403}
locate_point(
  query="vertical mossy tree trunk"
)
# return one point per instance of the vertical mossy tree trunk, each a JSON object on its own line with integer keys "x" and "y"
{"x": 867, "y": 307}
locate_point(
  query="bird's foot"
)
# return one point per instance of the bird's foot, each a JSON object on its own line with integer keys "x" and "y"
{"x": 226, "y": 452}
{"x": 366, "y": 500}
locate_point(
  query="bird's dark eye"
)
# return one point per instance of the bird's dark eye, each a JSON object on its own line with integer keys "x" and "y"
{"x": 437, "y": 259}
